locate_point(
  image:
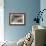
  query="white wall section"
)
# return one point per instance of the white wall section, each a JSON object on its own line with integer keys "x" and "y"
{"x": 1, "y": 20}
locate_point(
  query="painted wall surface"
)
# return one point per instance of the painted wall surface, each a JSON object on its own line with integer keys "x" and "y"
{"x": 1, "y": 21}
{"x": 30, "y": 7}
{"x": 43, "y": 6}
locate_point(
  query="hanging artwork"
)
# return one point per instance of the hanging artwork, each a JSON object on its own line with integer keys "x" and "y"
{"x": 17, "y": 18}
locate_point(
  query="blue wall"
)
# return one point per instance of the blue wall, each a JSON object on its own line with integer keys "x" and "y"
{"x": 30, "y": 7}
{"x": 43, "y": 6}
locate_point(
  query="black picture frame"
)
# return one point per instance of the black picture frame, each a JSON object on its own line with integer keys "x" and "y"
{"x": 17, "y": 19}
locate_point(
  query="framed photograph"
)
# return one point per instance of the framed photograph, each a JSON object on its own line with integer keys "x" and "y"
{"x": 17, "y": 19}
